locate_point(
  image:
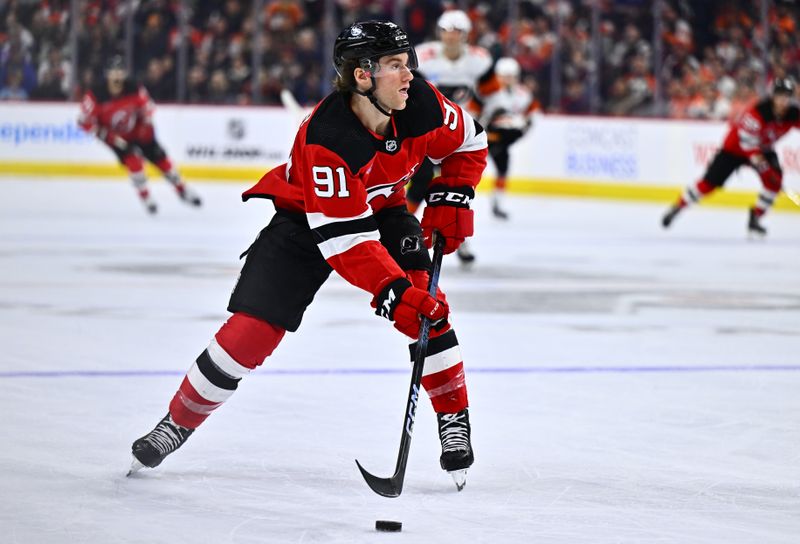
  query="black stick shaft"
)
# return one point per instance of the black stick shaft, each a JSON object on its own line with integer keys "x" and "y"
{"x": 392, "y": 487}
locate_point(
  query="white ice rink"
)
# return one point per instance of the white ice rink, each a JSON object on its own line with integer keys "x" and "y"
{"x": 627, "y": 385}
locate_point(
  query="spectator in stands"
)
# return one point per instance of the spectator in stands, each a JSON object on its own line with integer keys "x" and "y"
{"x": 19, "y": 37}
{"x": 156, "y": 81}
{"x": 152, "y": 44}
{"x": 57, "y": 71}
{"x": 238, "y": 75}
{"x": 284, "y": 16}
{"x": 218, "y": 88}
{"x": 13, "y": 89}
{"x": 714, "y": 40}
{"x": 575, "y": 98}
{"x": 15, "y": 59}
{"x": 197, "y": 85}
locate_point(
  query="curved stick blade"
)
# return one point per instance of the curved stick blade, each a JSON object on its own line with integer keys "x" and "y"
{"x": 387, "y": 487}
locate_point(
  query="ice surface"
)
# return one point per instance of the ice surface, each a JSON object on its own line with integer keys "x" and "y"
{"x": 627, "y": 384}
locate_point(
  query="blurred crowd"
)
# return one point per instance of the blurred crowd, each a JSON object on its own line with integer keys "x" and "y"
{"x": 712, "y": 58}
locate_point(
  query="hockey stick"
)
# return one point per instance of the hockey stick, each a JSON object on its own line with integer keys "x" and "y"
{"x": 292, "y": 105}
{"x": 392, "y": 487}
{"x": 791, "y": 195}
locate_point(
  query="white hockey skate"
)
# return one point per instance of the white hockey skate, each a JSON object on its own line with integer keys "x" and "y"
{"x": 188, "y": 195}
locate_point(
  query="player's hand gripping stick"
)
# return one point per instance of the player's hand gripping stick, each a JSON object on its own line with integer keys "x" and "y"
{"x": 448, "y": 212}
{"x": 393, "y": 486}
{"x": 403, "y": 303}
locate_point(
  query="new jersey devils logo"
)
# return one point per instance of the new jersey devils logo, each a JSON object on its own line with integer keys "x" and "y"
{"x": 387, "y": 189}
{"x": 409, "y": 244}
{"x": 122, "y": 121}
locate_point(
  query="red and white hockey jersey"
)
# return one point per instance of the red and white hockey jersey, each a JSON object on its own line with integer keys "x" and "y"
{"x": 757, "y": 129}
{"x": 123, "y": 115}
{"x": 339, "y": 173}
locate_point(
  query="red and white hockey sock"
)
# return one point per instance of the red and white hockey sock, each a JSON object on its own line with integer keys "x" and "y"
{"x": 443, "y": 374}
{"x": 766, "y": 198}
{"x": 133, "y": 163}
{"x": 693, "y": 193}
{"x": 172, "y": 175}
{"x": 241, "y": 345}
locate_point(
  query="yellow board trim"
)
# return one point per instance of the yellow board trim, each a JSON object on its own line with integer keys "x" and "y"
{"x": 530, "y": 186}
{"x": 94, "y": 170}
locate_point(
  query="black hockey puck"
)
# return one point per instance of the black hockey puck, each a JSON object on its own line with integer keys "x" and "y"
{"x": 388, "y": 526}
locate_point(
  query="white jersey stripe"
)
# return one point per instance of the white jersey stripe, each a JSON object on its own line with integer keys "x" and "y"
{"x": 340, "y": 244}
{"x": 748, "y": 140}
{"x": 316, "y": 219}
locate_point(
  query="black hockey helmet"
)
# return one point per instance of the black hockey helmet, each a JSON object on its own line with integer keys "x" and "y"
{"x": 783, "y": 85}
{"x": 366, "y": 41}
{"x": 116, "y": 62}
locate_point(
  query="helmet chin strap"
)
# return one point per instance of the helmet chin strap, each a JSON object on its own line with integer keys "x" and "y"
{"x": 369, "y": 94}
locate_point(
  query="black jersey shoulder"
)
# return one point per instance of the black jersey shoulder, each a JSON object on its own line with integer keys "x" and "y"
{"x": 101, "y": 94}
{"x": 764, "y": 109}
{"x": 422, "y": 113}
{"x": 335, "y": 127}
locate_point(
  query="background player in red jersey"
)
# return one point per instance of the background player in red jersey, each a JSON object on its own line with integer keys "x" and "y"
{"x": 750, "y": 141}
{"x": 120, "y": 113}
{"x": 340, "y": 205}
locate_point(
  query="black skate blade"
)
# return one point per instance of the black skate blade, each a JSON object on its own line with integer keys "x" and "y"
{"x": 386, "y": 487}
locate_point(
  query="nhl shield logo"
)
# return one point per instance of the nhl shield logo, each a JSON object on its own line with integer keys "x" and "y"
{"x": 356, "y": 31}
{"x": 391, "y": 145}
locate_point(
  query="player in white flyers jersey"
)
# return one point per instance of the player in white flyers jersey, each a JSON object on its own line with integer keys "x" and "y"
{"x": 454, "y": 67}
{"x": 450, "y": 63}
{"x": 507, "y": 115}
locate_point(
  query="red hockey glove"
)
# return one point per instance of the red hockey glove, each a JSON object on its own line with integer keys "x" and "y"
{"x": 403, "y": 303}
{"x": 448, "y": 212}
{"x": 144, "y": 133}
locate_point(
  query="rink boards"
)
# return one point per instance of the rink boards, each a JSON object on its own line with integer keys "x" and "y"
{"x": 638, "y": 159}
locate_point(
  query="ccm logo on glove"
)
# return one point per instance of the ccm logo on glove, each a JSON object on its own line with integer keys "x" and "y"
{"x": 403, "y": 303}
{"x": 449, "y": 198}
{"x": 448, "y": 214}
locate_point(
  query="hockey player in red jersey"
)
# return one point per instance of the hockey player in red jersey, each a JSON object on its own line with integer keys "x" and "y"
{"x": 120, "y": 113}
{"x": 340, "y": 205}
{"x": 750, "y": 141}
